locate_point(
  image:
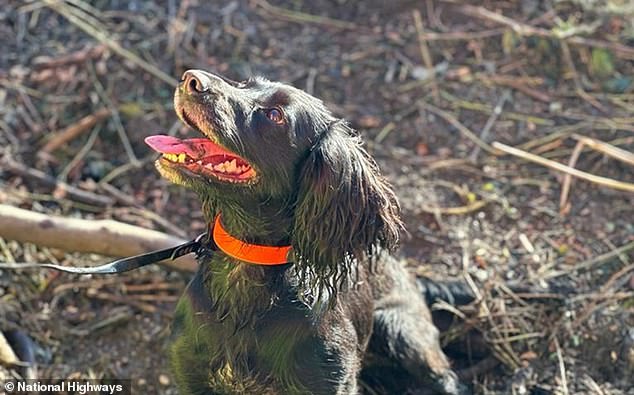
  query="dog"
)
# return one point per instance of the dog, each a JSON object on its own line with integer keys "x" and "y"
{"x": 297, "y": 290}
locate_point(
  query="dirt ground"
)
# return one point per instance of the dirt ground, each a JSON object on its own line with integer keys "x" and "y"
{"x": 429, "y": 84}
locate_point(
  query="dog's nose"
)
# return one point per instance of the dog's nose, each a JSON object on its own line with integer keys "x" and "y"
{"x": 195, "y": 82}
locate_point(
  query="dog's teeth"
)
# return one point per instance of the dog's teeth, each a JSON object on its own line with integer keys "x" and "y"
{"x": 181, "y": 158}
{"x": 221, "y": 168}
{"x": 230, "y": 167}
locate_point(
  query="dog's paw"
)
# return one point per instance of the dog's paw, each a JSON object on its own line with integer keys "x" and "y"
{"x": 450, "y": 384}
{"x": 442, "y": 384}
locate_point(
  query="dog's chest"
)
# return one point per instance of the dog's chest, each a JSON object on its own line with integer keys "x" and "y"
{"x": 279, "y": 349}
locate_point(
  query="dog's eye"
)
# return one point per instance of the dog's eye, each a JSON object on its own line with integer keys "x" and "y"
{"x": 275, "y": 115}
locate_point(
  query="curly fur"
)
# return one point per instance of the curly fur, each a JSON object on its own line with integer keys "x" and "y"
{"x": 345, "y": 210}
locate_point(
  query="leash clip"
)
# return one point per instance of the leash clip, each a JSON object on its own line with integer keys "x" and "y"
{"x": 189, "y": 247}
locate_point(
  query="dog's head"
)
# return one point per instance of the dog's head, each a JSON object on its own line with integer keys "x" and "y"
{"x": 266, "y": 141}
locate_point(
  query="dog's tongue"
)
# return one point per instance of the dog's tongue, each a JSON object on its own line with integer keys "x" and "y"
{"x": 194, "y": 148}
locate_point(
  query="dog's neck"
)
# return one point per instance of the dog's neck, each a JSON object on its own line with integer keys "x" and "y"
{"x": 266, "y": 223}
{"x": 240, "y": 291}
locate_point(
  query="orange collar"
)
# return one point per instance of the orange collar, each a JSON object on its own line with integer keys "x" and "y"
{"x": 251, "y": 253}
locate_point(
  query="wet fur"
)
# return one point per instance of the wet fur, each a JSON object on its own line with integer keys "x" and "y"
{"x": 306, "y": 327}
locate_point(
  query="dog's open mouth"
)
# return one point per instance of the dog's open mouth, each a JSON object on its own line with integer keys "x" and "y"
{"x": 203, "y": 157}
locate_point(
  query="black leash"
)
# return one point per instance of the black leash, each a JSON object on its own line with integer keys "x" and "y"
{"x": 121, "y": 265}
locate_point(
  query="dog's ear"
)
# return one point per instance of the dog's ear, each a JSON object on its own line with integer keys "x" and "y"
{"x": 345, "y": 210}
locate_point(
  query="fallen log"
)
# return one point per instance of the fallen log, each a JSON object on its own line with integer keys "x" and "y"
{"x": 104, "y": 237}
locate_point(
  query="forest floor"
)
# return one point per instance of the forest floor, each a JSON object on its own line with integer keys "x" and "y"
{"x": 430, "y": 85}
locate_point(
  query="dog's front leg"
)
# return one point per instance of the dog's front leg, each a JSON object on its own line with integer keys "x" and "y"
{"x": 405, "y": 333}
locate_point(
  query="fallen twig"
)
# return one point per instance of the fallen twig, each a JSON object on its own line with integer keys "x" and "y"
{"x": 424, "y": 52}
{"x": 592, "y": 261}
{"x": 518, "y": 85}
{"x": 606, "y": 148}
{"x": 67, "y": 134}
{"x": 577, "y": 81}
{"x": 488, "y": 109}
{"x": 456, "y": 124}
{"x": 562, "y": 368}
{"x": 118, "y": 195}
{"x": 450, "y": 36}
{"x": 81, "y": 154}
{"x": 116, "y": 317}
{"x": 555, "y": 134}
{"x": 60, "y": 187}
{"x": 469, "y": 208}
{"x": 92, "y": 52}
{"x": 302, "y": 17}
{"x": 125, "y": 140}
{"x": 484, "y": 134}
{"x": 78, "y": 18}
{"x": 608, "y": 182}
{"x": 104, "y": 237}
{"x": 567, "y": 181}
{"x": 600, "y": 146}
{"x": 527, "y": 30}
{"x": 152, "y": 287}
{"x": 121, "y": 299}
